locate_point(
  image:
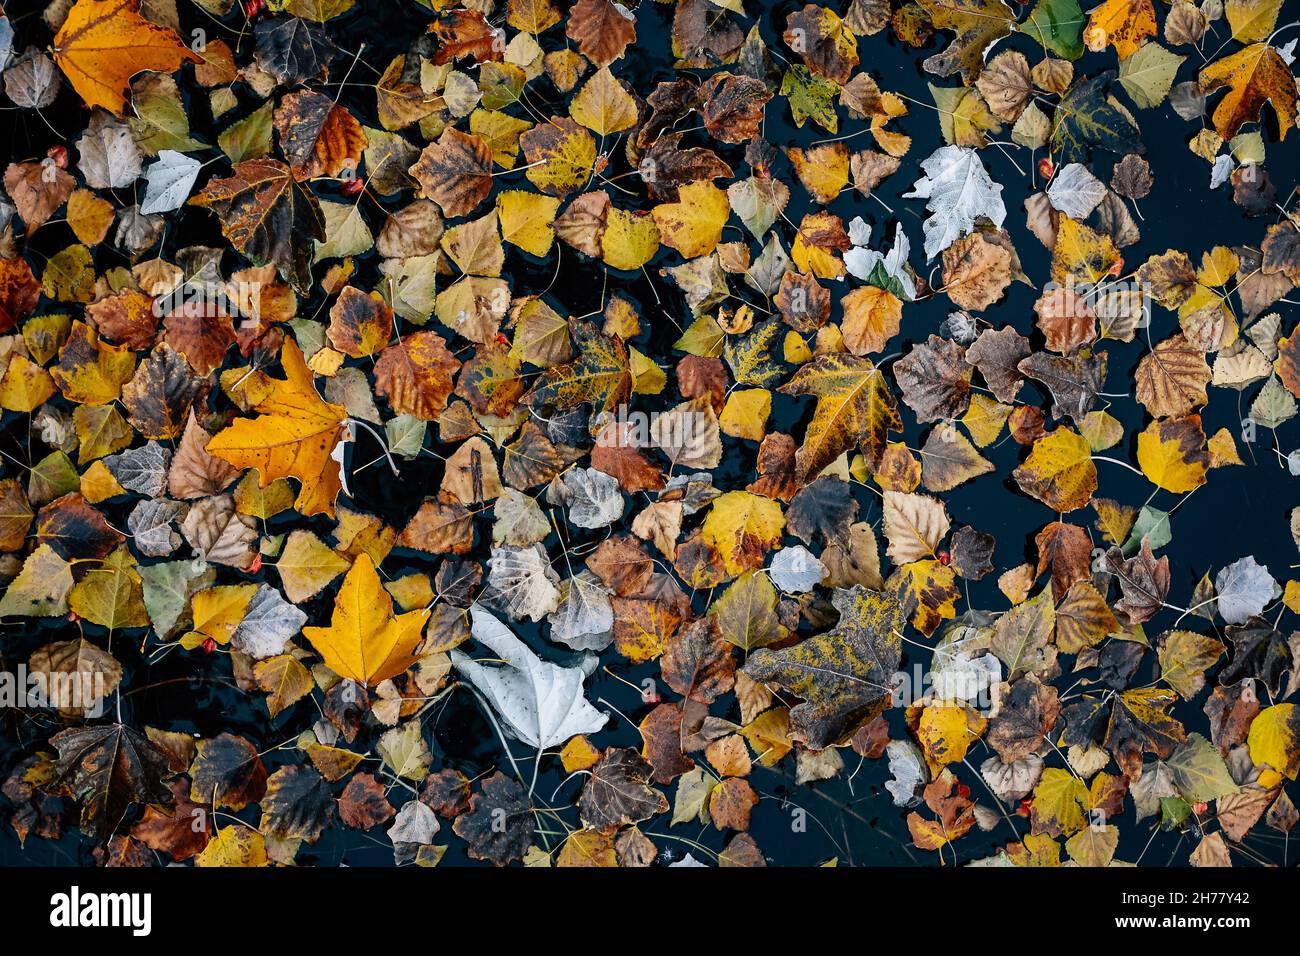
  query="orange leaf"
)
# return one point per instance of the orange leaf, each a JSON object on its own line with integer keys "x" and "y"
{"x": 294, "y": 436}
{"x": 104, "y": 43}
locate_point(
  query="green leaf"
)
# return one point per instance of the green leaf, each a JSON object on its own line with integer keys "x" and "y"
{"x": 250, "y": 137}
{"x": 1058, "y": 26}
{"x": 1199, "y": 771}
{"x": 1148, "y": 74}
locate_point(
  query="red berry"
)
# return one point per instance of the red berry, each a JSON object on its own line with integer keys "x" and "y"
{"x": 60, "y": 156}
{"x": 253, "y": 7}
{"x": 352, "y": 186}
{"x": 944, "y": 558}
{"x": 1023, "y": 809}
{"x": 1046, "y": 168}
{"x": 255, "y": 566}
{"x": 208, "y": 646}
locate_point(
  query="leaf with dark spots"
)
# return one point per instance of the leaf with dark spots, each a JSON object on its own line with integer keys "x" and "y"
{"x": 844, "y": 676}
{"x": 698, "y": 663}
{"x": 298, "y": 804}
{"x": 227, "y": 773}
{"x": 106, "y": 768}
{"x": 269, "y": 216}
{"x": 1260, "y": 652}
{"x": 499, "y": 823}
{"x": 618, "y": 792}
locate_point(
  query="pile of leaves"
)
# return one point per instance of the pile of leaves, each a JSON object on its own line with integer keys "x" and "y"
{"x": 523, "y": 431}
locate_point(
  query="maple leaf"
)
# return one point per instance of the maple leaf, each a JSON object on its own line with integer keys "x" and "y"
{"x": 844, "y": 676}
{"x": 106, "y": 768}
{"x": 294, "y": 435}
{"x": 103, "y": 43}
{"x": 854, "y": 407}
{"x": 1254, "y": 76}
{"x": 268, "y": 215}
{"x": 365, "y": 642}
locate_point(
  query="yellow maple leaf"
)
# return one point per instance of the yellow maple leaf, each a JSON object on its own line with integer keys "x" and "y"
{"x": 693, "y": 224}
{"x": 365, "y": 642}
{"x": 1125, "y": 24}
{"x": 294, "y": 435}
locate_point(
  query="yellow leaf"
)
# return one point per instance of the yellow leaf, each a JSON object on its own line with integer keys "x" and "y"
{"x": 1124, "y": 24}
{"x": 564, "y": 153}
{"x": 526, "y": 220}
{"x": 603, "y": 105}
{"x": 306, "y": 566}
{"x": 1080, "y": 254}
{"x": 218, "y": 612}
{"x": 985, "y": 418}
{"x": 693, "y": 224}
{"x": 745, "y": 414}
{"x": 647, "y": 377}
{"x": 91, "y": 372}
{"x": 235, "y": 845}
{"x": 25, "y": 386}
{"x": 1252, "y": 20}
{"x": 1254, "y": 76}
{"x": 293, "y": 436}
{"x": 946, "y": 730}
{"x": 1059, "y": 471}
{"x": 823, "y": 169}
{"x": 1274, "y": 739}
{"x": 871, "y": 318}
{"x": 630, "y": 240}
{"x": 365, "y": 642}
{"x": 89, "y": 216}
{"x": 1172, "y": 453}
{"x": 742, "y": 528}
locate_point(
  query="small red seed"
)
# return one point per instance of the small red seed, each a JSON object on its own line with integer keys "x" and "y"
{"x": 944, "y": 558}
{"x": 208, "y": 646}
{"x": 1046, "y": 168}
{"x": 352, "y": 186}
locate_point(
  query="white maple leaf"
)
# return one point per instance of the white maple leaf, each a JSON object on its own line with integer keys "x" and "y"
{"x": 959, "y": 191}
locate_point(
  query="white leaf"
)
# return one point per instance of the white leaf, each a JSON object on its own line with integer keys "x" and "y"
{"x": 415, "y": 823}
{"x": 959, "y": 191}
{"x": 109, "y": 156}
{"x": 1245, "y": 587}
{"x": 169, "y": 181}
{"x": 524, "y": 582}
{"x": 271, "y": 622}
{"x": 540, "y": 703}
{"x": 593, "y": 497}
{"x": 1076, "y": 191}
{"x": 795, "y": 570}
{"x": 585, "y": 617}
{"x": 907, "y": 770}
